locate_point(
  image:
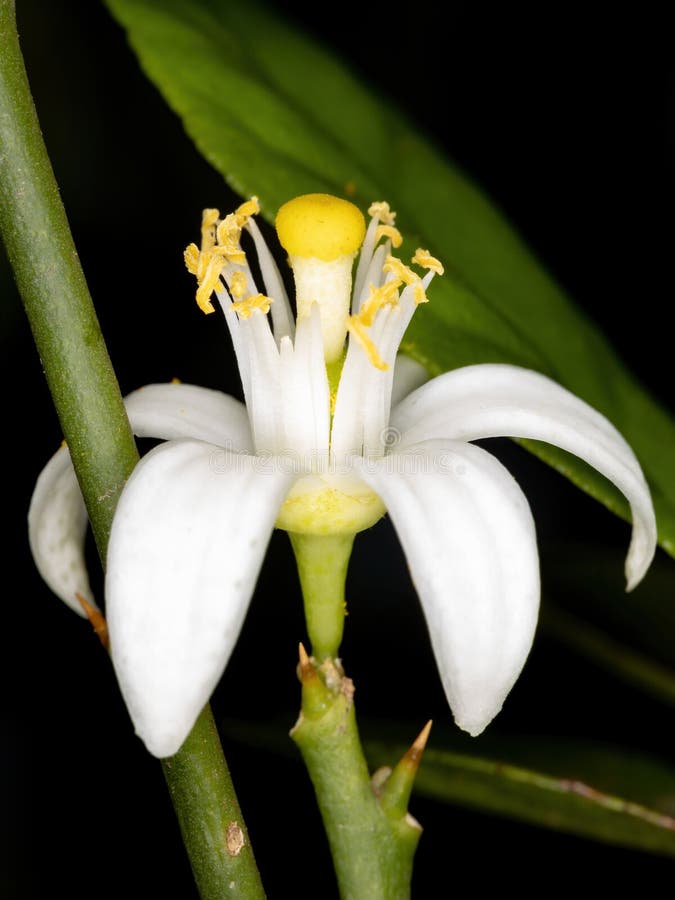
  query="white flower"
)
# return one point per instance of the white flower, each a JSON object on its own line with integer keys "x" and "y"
{"x": 315, "y": 450}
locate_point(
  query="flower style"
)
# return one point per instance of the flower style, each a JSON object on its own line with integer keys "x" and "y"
{"x": 316, "y": 450}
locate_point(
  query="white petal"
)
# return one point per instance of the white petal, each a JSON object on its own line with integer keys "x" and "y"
{"x": 173, "y": 411}
{"x": 57, "y": 517}
{"x": 500, "y": 400}
{"x": 469, "y": 539}
{"x": 408, "y": 376}
{"x": 57, "y": 523}
{"x": 187, "y": 542}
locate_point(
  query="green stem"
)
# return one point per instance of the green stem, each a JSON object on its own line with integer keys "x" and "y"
{"x": 372, "y": 844}
{"x": 87, "y": 398}
{"x": 209, "y": 816}
{"x": 55, "y": 294}
{"x": 322, "y": 566}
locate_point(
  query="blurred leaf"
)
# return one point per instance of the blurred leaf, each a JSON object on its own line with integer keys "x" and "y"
{"x": 586, "y": 608}
{"x": 592, "y": 790}
{"x": 566, "y": 803}
{"x": 277, "y": 116}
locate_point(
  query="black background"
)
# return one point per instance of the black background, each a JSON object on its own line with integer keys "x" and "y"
{"x": 565, "y": 116}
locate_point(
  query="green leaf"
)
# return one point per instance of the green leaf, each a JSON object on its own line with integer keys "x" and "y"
{"x": 635, "y": 810}
{"x": 278, "y": 116}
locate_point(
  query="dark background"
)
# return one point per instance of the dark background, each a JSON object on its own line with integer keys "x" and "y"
{"x": 565, "y": 117}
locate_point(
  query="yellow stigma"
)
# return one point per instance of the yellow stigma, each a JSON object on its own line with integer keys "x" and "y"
{"x": 320, "y": 226}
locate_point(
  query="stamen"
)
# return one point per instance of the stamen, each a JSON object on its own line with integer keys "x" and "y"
{"x": 400, "y": 270}
{"x": 246, "y": 308}
{"x": 209, "y": 220}
{"x": 390, "y": 232}
{"x": 238, "y": 285}
{"x": 380, "y": 208}
{"x": 427, "y": 261}
{"x": 419, "y": 294}
{"x": 379, "y": 297}
{"x": 247, "y": 209}
{"x": 229, "y": 234}
{"x": 209, "y": 283}
{"x": 191, "y": 257}
{"x": 358, "y": 330}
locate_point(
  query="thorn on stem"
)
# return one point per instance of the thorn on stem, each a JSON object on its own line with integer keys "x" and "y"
{"x": 395, "y": 791}
{"x": 413, "y": 756}
{"x": 306, "y": 669}
{"x": 315, "y": 694}
{"x": 96, "y": 620}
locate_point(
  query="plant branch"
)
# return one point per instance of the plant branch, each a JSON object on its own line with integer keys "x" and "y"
{"x": 87, "y": 398}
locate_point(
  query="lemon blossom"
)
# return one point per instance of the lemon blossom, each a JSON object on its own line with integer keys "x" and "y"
{"x": 335, "y": 430}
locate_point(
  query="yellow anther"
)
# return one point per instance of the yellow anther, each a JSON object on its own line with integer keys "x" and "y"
{"x": 390, "y": 232}
{"x": 248, "y": 208}
{"x": 228, "y": 235}
{"x": 175, "y": 380}
{"x": 238, "y": 285}
{"x": 191, "y": 257}
{"x": 427, "y": 261}
{"x": 246, "y": 308}
{"x": 358, "y": 331}
{"x": 320, "y": 226}
{"x": 209, "y": 283}
{"x": 419, "y": 294}
{"x": 379, "y": 297}
{"x": 381, "y": 209}
{"x": 203, "y": 265}
{"x": 400, "y": 270}
{"x": 209, "y": 221}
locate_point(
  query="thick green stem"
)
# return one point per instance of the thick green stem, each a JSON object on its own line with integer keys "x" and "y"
{"x": 87, "y": 398}
{"x": 372, "y": 849}
{"x": 372, "y": 844}
{"x": 322, "y": 566}
{"x": 51, "y": 282}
